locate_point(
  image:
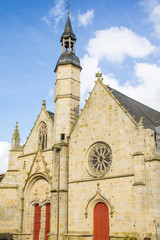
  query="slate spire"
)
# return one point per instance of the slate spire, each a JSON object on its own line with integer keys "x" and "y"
{"x": 68, "y": 40}
{"x": 68, "y": 32}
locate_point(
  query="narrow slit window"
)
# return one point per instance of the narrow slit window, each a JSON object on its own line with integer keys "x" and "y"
{"x": 62, "y": 136}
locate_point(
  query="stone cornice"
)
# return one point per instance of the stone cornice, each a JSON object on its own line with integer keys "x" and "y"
{"x": 59, "y": 79}
{"x": 138, "y": 184}
{"x": 58, "y": 146}
{"x": 104, "y": 178}
{"x": 33, "y": 153}
{"x": 8, "y": 187}
{"x": 12, "y": 170}
{"x": 137, "y": 154}
{"x": 66, "y": 96}
{"x": 56, "y": 191}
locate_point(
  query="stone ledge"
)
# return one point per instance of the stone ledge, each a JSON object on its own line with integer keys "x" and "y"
{"x": 137, "y": 154}
{"x": 104, "y": 178}
{"x": 8, "y": 187}
{"x": 138, "y": 184}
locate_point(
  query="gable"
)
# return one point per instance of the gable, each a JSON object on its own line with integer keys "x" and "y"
{"x": 103, "y": 121}
{"x": 32, "y": 142}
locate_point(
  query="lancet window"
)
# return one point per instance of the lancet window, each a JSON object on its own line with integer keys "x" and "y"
{"x": 43, "y": 136}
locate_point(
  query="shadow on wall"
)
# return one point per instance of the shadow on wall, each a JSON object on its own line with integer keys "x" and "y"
{"x": 6, "y": 236}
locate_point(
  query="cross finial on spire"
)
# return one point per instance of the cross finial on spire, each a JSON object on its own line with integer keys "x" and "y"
{"x": 44, "y": 104}
{"x": 68, "y": 6}
{"x": 98, "y": 75}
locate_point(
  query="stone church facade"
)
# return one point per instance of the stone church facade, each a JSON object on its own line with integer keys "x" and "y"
{"x": 92, "y": 176}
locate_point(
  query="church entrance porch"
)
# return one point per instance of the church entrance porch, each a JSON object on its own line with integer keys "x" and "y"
{"x": 39, "y": 232}
{"x": 101, "y": 222}
{"x": 37, "y": 224}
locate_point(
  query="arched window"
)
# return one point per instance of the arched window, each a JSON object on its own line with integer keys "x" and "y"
{"x": 43, "y": 135}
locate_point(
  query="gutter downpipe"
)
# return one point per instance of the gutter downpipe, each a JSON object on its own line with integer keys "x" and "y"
{"x": 67, "y": 181}
{"x": 22, "y": 212}
{"x": 58, "y": 193}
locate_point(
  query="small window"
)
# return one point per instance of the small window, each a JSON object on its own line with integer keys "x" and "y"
{"x": 43, "y": 136}
{"x": 62, "y": 136}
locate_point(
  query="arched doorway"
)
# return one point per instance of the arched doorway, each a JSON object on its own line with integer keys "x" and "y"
{"x": 101, "y": 222}
{"x": 37, "y": 224}
{"x": 37, "y": 207}
{"x": 47, "y": 227}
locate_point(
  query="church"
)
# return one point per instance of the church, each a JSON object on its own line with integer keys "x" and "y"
{"x": 88, "y": 176}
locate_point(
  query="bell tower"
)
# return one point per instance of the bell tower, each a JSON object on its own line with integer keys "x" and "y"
{"x": 67, "y": 85}
{"x": 67, "y": 98}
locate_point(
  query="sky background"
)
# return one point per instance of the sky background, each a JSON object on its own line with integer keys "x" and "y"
{"x": 120, "y": 38}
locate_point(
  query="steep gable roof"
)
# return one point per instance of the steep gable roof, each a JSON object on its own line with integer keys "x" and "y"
{"x": 51, "y": 115}
{"x": 1, "y": 177}
{"x": 151, "y": 117}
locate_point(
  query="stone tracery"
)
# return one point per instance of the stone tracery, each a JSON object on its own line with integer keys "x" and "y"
{"x": 43, "y": 136}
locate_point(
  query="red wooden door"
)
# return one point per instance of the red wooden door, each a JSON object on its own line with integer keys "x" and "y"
{"x": 101, "y": 222}
{"x": 47, "y": 221}
{"x": 37, "y": 224}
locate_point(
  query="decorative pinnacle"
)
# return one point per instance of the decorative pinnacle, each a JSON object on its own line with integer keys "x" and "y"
{"x": 16, "y": 139}
{"x": 44, "y": 104}
{"x": 141, "y": 121}
{"x": 98, "y": 75}
{"x": 16, "y": 132}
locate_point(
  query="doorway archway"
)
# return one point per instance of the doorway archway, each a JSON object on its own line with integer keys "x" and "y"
{"x": 101, "y": 222}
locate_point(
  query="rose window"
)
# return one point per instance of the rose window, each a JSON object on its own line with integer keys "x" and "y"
{"x": 100, "y": 158}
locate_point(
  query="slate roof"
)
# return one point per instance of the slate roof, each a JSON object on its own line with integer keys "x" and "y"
{"x": 51, "y": 115}
{"x": 1, "y": 177}
{"x": 68, "y": 32}
{"x": 151, "y": 117}
{"x": 68, "y": 58}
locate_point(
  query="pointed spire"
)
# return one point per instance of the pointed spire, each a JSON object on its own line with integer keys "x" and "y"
{"x": 68, "y": 40}
{"x": 16, "y": 138}
{"x": 68, "y": 32}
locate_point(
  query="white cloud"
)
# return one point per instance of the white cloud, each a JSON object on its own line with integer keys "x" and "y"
{"x": 153, "y": 9}
{"x": 146, "y": 86}
{"x": 56, "y": 13}
{"x": 115, "y": 44}
{"x": 148, "y": 4}
{"x": 86, "y": 18}
{"x": 4, "y": 156}
{"x": 90, "y": 66}
{"x": 46, "y": 20}
{"x": 155, "y": 19}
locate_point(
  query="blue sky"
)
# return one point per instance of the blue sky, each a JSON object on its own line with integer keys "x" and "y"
{"x": 120, "y": 38}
